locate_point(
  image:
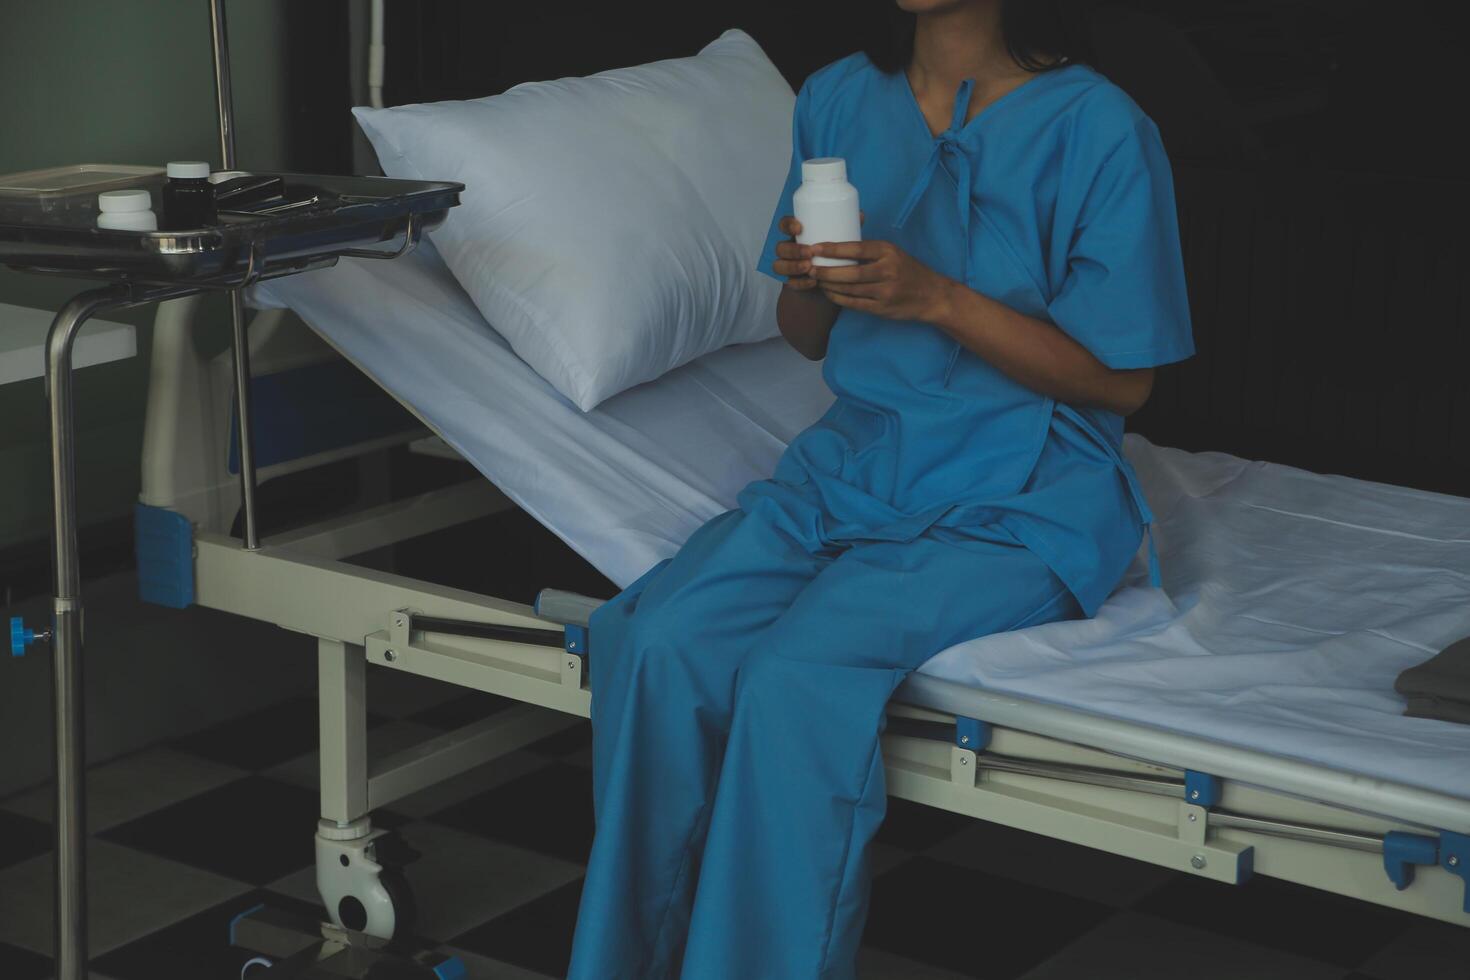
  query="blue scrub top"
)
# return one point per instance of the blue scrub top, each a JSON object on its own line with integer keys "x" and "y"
{"x": 1056, "y": 200}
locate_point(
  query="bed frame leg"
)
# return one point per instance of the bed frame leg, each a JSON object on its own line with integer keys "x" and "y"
{"x": 359, "y": 888}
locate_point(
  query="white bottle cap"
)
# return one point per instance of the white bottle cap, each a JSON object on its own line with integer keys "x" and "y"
{"x": 118, "y": 202}
{"x": 188, "y": 169}
{"x": 824, "y": 169}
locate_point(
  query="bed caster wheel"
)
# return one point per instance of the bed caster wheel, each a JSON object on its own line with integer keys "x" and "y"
{"x": 393, "y": 909}
{"x": 255, "y": 967}
{"x": 362, "y": 884}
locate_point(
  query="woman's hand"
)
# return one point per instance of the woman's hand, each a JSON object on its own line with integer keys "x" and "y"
{"x": 792, "y": 259}
{"x": 887, "y": 281}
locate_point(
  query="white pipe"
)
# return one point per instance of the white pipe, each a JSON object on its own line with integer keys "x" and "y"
{"x": 376, "y": 56}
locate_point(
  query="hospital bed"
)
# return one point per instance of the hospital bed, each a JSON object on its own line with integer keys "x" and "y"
{"x": 1239, "y": 721}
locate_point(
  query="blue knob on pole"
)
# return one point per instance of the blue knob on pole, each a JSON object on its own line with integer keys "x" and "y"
{"x": 20, "y": 637}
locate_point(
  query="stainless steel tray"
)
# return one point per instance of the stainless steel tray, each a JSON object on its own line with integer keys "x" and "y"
{"x": 350, "y": 213}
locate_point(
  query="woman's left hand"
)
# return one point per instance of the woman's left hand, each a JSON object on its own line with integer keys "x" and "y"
{"x": 887, "y": 281}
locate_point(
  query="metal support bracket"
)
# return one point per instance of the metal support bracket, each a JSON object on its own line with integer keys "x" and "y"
{"x": 1193, "y": 823}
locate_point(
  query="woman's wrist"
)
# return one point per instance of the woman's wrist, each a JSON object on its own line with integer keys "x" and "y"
{"x": 946, "y": 300}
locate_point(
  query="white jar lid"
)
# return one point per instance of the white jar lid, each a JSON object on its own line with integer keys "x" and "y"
{"x": 118, "y": 202}
{"x": 833, "y": 169}
{"x": 188, "y": 169}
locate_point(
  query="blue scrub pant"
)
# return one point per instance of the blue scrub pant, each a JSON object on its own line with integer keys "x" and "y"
{"x": 738, "y": 693}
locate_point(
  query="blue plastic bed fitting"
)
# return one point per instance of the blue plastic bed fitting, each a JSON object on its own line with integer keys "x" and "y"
{"x": 1201, "y": 788}
{"x": 164, "y": 542}
{"x": 577, "y": 639}
{"x": 235, "y": 922}
{"x": 1403, "y": 851}
{"x": 21, "y": 638}
{"x": 1454, "y": 857}
{"x": 971, "y": 733}
{"x": 451, "y": 969}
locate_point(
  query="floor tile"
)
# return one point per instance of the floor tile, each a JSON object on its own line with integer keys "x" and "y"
{"x": 571, "y": 741}
{"x": 972, "y": 923}
{"x": 466, "y": 708}
{"x": 263, "y": 738}
{"x": 479, "y": 967}
{"x": 196, "y": 947}
{"x": 536, "y": 936}
{"x": 442, "y": 795}
{"x": 254, "y": 829}
{"x": 1315, "y": 924}
{"x": 21, "y": 838}
{"x": 882, "y": 858}
{"x": 875, "y": 964}
{"x": 130, "y": 894}
{"x": 548, "y": 811}
{"x": 1059, "y": 865}
{"x": 1133, "y": 946}
{"x": 399, "y": 694}
{"x": 462, "y": 880}
{"x": 22, "y": 964}
{"x": 305, "y": 770}
{"x": 911, "y": 826}
{"x": 1425, "y": 951}
{"x": 133, "y": 785}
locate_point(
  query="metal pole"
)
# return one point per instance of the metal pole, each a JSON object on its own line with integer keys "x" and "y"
{"x": 66, "y": 641}
{"x": 66, "y": 637}
{"x": 239, "y": 339}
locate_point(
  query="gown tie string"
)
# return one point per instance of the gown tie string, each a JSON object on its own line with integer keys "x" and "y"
{"x": 948, "y": 153}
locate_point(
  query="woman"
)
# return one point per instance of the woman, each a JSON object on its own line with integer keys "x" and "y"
{"x": 1019, "y": 280}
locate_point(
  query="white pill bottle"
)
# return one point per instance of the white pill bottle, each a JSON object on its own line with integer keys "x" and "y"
{"x": 827, "y": 206}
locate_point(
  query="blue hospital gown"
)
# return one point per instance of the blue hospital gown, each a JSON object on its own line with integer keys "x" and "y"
{"x": 739, "y": 688}
{"x": 1056, "y": 200}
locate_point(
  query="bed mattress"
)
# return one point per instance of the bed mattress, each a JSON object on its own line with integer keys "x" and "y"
{"x": 1290, "y": 603}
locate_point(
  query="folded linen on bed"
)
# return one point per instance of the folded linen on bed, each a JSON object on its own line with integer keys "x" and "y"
{"x": 1440, "y": 687}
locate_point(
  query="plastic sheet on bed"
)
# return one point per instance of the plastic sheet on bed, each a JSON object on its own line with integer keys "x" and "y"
{"x": 1291, "y": 600}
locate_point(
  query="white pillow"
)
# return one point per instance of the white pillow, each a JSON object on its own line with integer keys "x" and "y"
{"x": 610, "y": 225}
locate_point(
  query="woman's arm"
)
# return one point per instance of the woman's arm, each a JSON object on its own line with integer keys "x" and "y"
{"x": 804, "y": 313}
{"x": 1038, "y": 354}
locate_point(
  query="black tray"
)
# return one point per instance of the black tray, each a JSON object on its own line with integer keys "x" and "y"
{"x": 353, "y": 212}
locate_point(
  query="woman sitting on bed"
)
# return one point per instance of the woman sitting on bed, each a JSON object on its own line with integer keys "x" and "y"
{"x": 1019, "y": 280}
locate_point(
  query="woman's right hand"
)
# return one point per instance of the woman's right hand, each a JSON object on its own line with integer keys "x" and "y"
{"x": 793, "y": 260}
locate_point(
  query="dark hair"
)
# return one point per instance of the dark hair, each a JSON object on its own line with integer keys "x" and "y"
{"x": 1036, "y": 31}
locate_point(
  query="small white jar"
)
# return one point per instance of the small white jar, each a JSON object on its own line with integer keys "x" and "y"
{"x": 130, "y": 210}
{"x": 827, "y": 207}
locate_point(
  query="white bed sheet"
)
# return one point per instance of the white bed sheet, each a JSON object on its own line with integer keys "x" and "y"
{"x": 624, "y": 484}
{"x": 1291, "y": 600}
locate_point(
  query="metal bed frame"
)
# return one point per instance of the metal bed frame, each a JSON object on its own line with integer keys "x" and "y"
{"x": 1176, "y": 801}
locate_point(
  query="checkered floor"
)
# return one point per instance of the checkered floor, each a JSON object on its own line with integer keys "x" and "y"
{"x": 188, "y": 834}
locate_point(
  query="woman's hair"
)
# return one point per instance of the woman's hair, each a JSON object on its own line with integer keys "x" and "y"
{"x": 1036, "y": 32}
